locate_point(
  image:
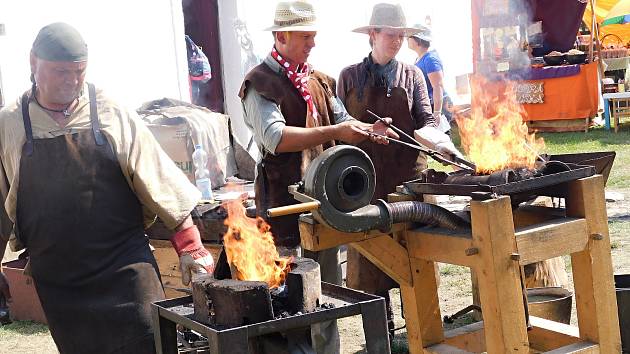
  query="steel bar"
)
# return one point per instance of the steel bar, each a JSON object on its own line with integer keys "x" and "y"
{"x": 434, "y": 154}
{"x": 452, "y": 160}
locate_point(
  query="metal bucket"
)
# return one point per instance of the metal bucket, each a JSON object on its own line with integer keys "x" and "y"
{"x": 552, "y": 303}
{"x": 622, "y": 287}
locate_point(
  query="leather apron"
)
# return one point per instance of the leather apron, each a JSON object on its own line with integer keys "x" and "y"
{"x": 394, "y": 164}
{"x": 83, "y": 227}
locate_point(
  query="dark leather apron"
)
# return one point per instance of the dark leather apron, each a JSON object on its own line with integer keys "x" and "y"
{"x": 82, "y": 225}
{"x": 394, "y": 164}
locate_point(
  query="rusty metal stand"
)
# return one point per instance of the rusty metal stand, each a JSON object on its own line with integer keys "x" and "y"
{"x": 501, "y": 242}
{"x": 168, "y": 314}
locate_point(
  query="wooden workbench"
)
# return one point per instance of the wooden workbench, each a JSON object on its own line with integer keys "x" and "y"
{"x": 499, "y": 244}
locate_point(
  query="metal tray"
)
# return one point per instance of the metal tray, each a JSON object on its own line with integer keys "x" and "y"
{"x": 531, "y": 186}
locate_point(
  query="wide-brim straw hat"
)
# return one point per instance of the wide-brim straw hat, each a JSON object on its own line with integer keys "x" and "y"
{"x": 389, "y": 16}
{"x": 424, "y": 33}
{"x": 294, "y": 16}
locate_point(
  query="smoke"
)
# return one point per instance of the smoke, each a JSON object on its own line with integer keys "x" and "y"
{"x": 506, "y": 36}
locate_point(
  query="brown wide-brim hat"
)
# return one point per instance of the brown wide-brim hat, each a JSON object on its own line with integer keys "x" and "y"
{"x": 294, "y": 16}
{"x": 387, "y": 16}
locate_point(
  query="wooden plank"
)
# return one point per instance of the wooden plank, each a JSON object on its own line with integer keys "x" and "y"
{"x": 592, "y": 268}
{"x": 400, "y": 197}
{"x": 388, "y": 255}
{"x": 422, "y": 307}
{"x": 533, "y": 214}
{"x": 560, "y": 125}
{"x": 445, "y": 349}
{"x": 548, "y": 335}
{"x": 440, "y": 245}
{"x": 498, "y": 276}
{"x": 551, "y": 239}
{"x": 470, "y": 337}
{"x": 579, "y": 348}
{"x": 317, "y": 237}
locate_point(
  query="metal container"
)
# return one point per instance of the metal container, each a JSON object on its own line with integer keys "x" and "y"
{"x": 622, "y": 287}
{"x": 551, "y": 303}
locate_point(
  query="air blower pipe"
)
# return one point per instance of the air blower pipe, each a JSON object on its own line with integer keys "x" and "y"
{"x": 343, "y": 180}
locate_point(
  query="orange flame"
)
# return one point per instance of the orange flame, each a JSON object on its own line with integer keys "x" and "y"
{"x": 495, "y": 136}
{"x": 250, "y": 249}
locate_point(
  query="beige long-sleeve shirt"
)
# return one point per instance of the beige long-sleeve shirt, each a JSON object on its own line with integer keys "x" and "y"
{"x": 160, "y": 186}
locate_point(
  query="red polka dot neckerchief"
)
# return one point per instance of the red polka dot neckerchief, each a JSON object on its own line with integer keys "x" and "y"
{"x": 298, "y": 74}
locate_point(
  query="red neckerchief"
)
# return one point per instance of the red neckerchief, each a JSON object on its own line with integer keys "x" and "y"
{"x": 298, "y": 74}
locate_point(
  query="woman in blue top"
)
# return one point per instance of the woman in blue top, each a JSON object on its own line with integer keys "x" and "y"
{"x": 429, "y": 62}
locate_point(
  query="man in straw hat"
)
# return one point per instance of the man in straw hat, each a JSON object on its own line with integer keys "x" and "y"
{"x": 393, "y": 89}
{"x": 294, "y": 114}
{"x": 81, "y": 178}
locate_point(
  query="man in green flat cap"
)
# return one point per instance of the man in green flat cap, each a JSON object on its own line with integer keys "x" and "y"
{"x": 91, "y": 177}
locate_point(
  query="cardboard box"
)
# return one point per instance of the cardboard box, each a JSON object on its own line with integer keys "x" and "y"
{"x": 25, "y": 305}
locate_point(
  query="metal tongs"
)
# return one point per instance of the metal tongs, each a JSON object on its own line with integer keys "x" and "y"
{"x": 452, "y": 159}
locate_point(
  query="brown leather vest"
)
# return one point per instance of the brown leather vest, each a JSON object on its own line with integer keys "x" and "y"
{"x": 276, "y": 172}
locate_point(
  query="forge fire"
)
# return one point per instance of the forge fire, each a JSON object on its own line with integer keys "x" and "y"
{"x": 495, "y": 136}
{"x": 250, "y": 250}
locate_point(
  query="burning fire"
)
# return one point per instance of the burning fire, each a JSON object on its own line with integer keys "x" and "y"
{"x": 250, "y": 249}
{"x": 495, "y": 137}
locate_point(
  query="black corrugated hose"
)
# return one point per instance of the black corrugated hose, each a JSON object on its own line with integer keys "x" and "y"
{"x": 425, "y": 213}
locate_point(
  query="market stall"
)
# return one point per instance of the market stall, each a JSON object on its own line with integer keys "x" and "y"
{"x": 528, "y": 44}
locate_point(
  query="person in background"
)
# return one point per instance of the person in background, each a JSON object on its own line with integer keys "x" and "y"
{"x": 81, "y": 177}
{"x": 295, "y": 115}
{"x": 199, "y": 69}
{"x": 430, "y": 64}
{"x": 389, "y": 88}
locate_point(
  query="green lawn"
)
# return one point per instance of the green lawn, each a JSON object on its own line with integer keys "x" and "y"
{"x": 596, "y": 140}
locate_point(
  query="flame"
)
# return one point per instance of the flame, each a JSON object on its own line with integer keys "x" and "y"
{"x": 250, "y": 250}
{"x": 495, "y": 136}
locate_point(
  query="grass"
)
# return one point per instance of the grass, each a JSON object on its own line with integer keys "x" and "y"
{"x": 596, "y": 140}
{"x": 24, "y": 328}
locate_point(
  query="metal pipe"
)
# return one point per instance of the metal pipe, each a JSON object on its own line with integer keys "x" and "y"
{"x": 493, "y": 179}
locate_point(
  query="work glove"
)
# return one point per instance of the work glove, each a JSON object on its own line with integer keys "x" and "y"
{"x": 448, "y": 149}
{"x": 193, "y": 256}
{"x": 434, "y": 139}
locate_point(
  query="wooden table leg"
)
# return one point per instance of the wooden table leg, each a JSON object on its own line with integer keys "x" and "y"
{"x": 421, "y": 306}
{"x": 592, "y": 268}
{"x": 498, "y": 276}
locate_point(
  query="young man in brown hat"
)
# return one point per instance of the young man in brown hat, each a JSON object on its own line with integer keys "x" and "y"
{"x": 294, "y": 114}
{"x": 393, "y": 89}
{"x": 81, "y": 178}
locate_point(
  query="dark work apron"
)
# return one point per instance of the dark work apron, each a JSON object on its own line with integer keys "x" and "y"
{"x": 83, "y": 227}
{"x": 394, "y": 164}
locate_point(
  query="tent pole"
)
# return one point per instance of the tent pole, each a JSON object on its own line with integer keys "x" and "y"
{"x": 593, "y": 29}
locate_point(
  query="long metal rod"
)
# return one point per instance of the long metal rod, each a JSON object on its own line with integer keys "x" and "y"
{"x": 395, "y": 128}
{"x": 452, "y": 160}
{"x": 434, "y": 154}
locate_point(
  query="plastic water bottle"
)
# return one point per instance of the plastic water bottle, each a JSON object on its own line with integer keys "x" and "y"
{"x": 202, "y": 175}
